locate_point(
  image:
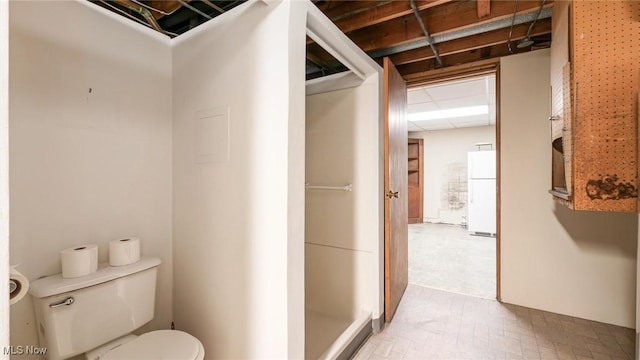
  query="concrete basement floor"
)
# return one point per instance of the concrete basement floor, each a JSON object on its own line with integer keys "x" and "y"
{"x": 446, "y": 257}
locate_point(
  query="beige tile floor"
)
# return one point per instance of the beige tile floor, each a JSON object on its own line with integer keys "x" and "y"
{"x": 434, "y": 324}
{"x": 447, "y": 257}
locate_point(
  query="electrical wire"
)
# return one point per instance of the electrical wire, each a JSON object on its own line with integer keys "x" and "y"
{"x": 513, "y": 20}
{"x": 536, "y": 19}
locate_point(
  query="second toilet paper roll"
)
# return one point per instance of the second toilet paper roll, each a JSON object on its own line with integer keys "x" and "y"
{"x": 18, "y": 286}
{"x": 79, "y": 261}
{"x": 124, "y": 251}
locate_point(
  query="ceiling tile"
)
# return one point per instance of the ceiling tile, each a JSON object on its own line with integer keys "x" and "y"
{"x": 458, "y": 89}
{"x": 415, "y": 96}
{"x": 432, "y": 127}
{"x": 413, "y": 127}
{"x": 468, "y": 119}
{"x": 422, "y": 107}
{"x": 471, "y": 124}
{"x": 475, "y": 100}
{"x": 425, "y": 124}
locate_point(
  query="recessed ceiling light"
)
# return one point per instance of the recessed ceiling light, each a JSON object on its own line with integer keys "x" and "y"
{"x": 449, "y": 113}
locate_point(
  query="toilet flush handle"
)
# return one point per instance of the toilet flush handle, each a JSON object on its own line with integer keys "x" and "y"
{"x": 65, "y": 302}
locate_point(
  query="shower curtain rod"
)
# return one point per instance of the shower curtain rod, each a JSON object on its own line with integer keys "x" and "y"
{"x": 347, "y": 187}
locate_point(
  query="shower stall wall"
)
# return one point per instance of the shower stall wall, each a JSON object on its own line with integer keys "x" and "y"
{"x": 340, "y": 217}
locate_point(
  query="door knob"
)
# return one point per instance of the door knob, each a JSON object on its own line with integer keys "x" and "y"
{"x": 391, "y": 194}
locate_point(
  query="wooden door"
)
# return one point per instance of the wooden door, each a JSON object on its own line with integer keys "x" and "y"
{"x": 415, "y": 167}
{"x": 396, "y": 265}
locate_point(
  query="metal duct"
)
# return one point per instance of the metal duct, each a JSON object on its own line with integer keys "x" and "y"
{"x": 416, "y": 12}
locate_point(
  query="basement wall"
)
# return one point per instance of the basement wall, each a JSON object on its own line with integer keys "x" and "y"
{"x": 239, "y": 182}
{"x": 90, "y": 150}
{"x": 445, "y": 170}
{"x": 575, "y": 263}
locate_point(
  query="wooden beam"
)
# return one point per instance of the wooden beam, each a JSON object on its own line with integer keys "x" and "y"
{"x": 439, "y": 20}
{"x": 321, "y": 63}
{"x": 473, "y": 42}
{"x": 382, "y": 13}
{"x": 451, "y": 72}
{"x": 338, "y": 9}
{"x": 142, "y": 11}
{"x": 409, "y": 71}
{"x": 484, "y": 8}
{"x": 163, "y": 7}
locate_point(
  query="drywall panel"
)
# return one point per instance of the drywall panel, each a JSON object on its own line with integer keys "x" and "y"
{"x": 239, "y": 223}
{"x": 570, "y": 262}
{"x": 445, "y": 170}
{"x": 4, "y": 173}
{"x": 90, "y": 143}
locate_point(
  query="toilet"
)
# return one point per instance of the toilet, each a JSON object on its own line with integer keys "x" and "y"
{"x": 95, "y": 314}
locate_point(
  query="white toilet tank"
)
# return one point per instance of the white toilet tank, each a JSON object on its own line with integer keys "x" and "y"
{"x": 76, "y": 315}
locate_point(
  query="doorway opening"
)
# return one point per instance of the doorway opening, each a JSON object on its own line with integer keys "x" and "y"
{"x": 452, "y": 185}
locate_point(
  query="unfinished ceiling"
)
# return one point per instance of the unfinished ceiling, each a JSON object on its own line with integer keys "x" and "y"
{"x": 420, "y": 36}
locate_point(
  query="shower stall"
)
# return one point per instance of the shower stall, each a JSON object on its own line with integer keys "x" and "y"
{"x": 341, "y": 213}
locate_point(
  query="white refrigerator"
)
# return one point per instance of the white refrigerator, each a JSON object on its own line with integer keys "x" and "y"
{"x": 481, "y": 172}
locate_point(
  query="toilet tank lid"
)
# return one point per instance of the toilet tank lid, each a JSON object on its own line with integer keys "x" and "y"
{"x": 56, "y": 284}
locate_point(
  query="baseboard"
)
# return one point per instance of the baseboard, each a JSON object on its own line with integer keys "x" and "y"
{"x": 355, "y": 344}
{"x": 378, "y": 324}
{"x": 637, "y": 346}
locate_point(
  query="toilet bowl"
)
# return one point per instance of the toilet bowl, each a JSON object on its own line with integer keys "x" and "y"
{"x": 154, "y": 345}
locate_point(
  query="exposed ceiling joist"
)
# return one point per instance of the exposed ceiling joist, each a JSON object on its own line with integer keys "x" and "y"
{"x": 162, "y": 8}
{"x": 484, "y": 8}
{"x": 462, "y": 30}
{"x": 142, "y": 11}
{"x": 485, "y": 53}
{"x": 451, "y": 72}
{"x": 490, "y": 38}
{"x": 440, "y": 19}
{"x": 382, "y": 13}
{"x": 347, "y": 8}
{"x": 474, "y": 32}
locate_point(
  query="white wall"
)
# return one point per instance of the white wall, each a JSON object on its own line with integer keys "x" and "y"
{"x": 569, "y": 262}
{"x": 90, "y": 149}
{"x": 445, "y": 170}
{"x": 341, "y": 148}
{"x": 238, "y": 219}
{"x": 4, "y": 173}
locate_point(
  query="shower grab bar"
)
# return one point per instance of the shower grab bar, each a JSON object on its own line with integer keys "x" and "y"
{"x": 347, "y": 187}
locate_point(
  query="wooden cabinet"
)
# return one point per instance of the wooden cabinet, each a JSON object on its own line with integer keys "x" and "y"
{"x": 415, "y": 168}
{"x": 595, "y": 67}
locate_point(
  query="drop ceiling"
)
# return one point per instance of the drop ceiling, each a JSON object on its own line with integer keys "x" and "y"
{"x": 442, "y": 101}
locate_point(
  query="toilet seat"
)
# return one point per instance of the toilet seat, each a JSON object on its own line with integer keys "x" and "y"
{"x": 159, "y": 345}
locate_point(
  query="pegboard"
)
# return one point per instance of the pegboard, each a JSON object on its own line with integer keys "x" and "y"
{"x": 606, "y": 62}
{"x": 567, "y": 127}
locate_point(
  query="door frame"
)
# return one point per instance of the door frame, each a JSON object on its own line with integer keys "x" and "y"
{"x": 4, "y": 170}
{"x": 491, "y": 66}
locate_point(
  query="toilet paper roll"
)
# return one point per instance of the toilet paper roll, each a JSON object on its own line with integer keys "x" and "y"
{"x": 79, "y": 261}
{"x": 124, "y": 251}
{"x": 18, "y": 286}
